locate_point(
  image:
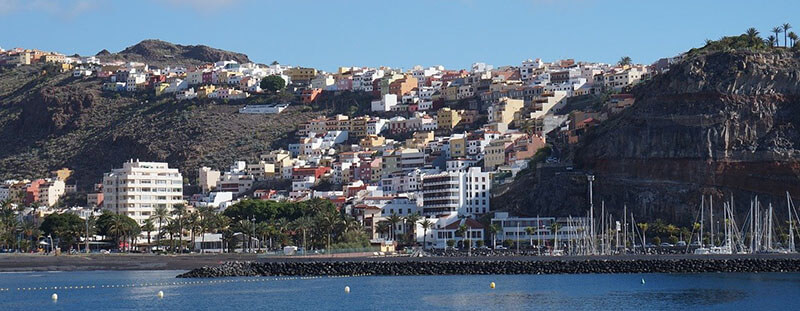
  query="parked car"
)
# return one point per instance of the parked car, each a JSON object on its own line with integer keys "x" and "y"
{"x": 681, "y": 243}
{"x": 665, "y": 244}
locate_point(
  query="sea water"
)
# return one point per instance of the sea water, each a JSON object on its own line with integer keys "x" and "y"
{"x": 138, "y": 290}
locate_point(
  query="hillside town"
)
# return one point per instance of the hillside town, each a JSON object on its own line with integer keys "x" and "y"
{"x": 419, "y": 168}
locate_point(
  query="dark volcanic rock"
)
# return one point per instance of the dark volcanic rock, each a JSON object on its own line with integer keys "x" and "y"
{"x": 163, "y": 54}
{"x": 719, "y": 124}
{"x": 457, "y": 267}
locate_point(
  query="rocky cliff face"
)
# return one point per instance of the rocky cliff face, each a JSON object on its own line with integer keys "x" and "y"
{"x": 722, "y": 123}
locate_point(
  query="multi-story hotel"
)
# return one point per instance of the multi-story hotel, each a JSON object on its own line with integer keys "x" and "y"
{"x": 138, "y": 188}
{"x": 464, "y": 193}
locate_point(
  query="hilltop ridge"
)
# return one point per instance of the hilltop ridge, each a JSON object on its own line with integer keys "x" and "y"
{"x": 162, "y": 54}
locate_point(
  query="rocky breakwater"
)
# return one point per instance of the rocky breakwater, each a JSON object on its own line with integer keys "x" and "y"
{"x": 463, "y": 267}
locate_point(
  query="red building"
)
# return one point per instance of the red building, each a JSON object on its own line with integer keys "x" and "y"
{"x": 32, "y": 191}
{"x": 208, "y": 77}
{"x": 298, "y": 173}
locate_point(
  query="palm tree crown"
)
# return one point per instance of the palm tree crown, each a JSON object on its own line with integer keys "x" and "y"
{"x": 777, "y": 31}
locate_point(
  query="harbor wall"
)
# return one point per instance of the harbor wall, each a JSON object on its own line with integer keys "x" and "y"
{"x": 464, "y": 267}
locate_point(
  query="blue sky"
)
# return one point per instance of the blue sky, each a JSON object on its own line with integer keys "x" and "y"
{"x": 331, "y": 33}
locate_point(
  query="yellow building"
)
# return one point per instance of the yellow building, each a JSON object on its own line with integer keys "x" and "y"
{"x": 301, "y": 73}
{"x": 54, "y": 58}
{"x": 66, "y": 67}
{"x": 371, "y": 141}
{"x": 458, "y": 146}
{"x": 358, "y": 126}
{"x": 204, "y": 90}
{"x": 447, "y": 119}
{"x": 503, "y": 111}
{"x": 160, "y": 88}
{"x": 495, "y": 154}
{"x": 450, "y": 93}
{"x": 419, "y": 140}
{"x": 62, "y": 174}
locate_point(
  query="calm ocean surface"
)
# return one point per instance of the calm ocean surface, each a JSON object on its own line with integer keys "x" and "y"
{"x": 730, "y": 291}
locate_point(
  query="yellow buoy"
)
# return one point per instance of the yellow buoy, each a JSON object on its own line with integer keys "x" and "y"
{"x": 160, "y": 294}
{"x": 54, "y": 296}
{"x": 491, "y": 285}
{"x": 347, "y": 289}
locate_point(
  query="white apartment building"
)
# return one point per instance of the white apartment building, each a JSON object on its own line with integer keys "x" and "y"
{"x": 462, "y": 193}
{"x": 51, "y": 191}
{"x": 385, "y": 104}
{"x": 528, "y": 68}
{"x": 138, "y": 188}
{"x": 363, "y": 81}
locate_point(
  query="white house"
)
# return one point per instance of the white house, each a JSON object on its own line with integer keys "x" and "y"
{"x": 385, "y": 104}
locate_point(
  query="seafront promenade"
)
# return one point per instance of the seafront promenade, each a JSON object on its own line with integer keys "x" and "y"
{"x": 27, "y": 262}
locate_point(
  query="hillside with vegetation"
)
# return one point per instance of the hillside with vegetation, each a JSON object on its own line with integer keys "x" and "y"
{"x": 49, "y": 120}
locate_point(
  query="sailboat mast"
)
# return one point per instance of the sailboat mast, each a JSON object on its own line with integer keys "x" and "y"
{"x": 791, "y": 227}
{"x": 702, "y": 220}
{"x": 625, "y": 224}
{"x": 603, "y": 227}
{"x": 711, "y": 212}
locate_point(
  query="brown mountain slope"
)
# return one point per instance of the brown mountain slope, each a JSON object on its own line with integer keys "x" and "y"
{"x": 722, "y": 123}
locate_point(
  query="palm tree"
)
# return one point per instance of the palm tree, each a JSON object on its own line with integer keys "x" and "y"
{"x": 148, "y": 226}
{"x": 751, "y": 33}
{"x": 770, "y": 41}
{"x": 384, "y": 227}
{"x": 179, "y": 210}
{"x": 282, "y": 224}
{"x": 31, "y": 231}
{"x": 793, "y": 37}
{"x": 530, "y": 231}
{"x": 160, "y": 215}
{"x": 303, "y": 224}
{"x": 463, "y": 231}
{"x": 393, "y": 220}
{"x": 247, "y": 228}
{"x": 425, "y": 224}
{"x": 193, "y": 223}
{"x": 786, "y": 28}
{"x": 118, "y": 227}
{"x": 413, "y": 219}
{"x": 171, "y": 228}
{"x": 777, "y": 31}
{"x": 263, "y": 229}
{"x": 494, "y": 229}
{"x": 624, "y": 61}
{"x": 206, "y": 221}
{"x": 328, "y": 221}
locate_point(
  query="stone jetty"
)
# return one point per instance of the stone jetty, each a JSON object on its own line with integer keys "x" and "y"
{"x": 463, "y": 267}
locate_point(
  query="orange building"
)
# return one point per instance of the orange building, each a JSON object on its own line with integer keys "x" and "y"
{"x": 403, "y": 86}
{"x": 309, "y": 95}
